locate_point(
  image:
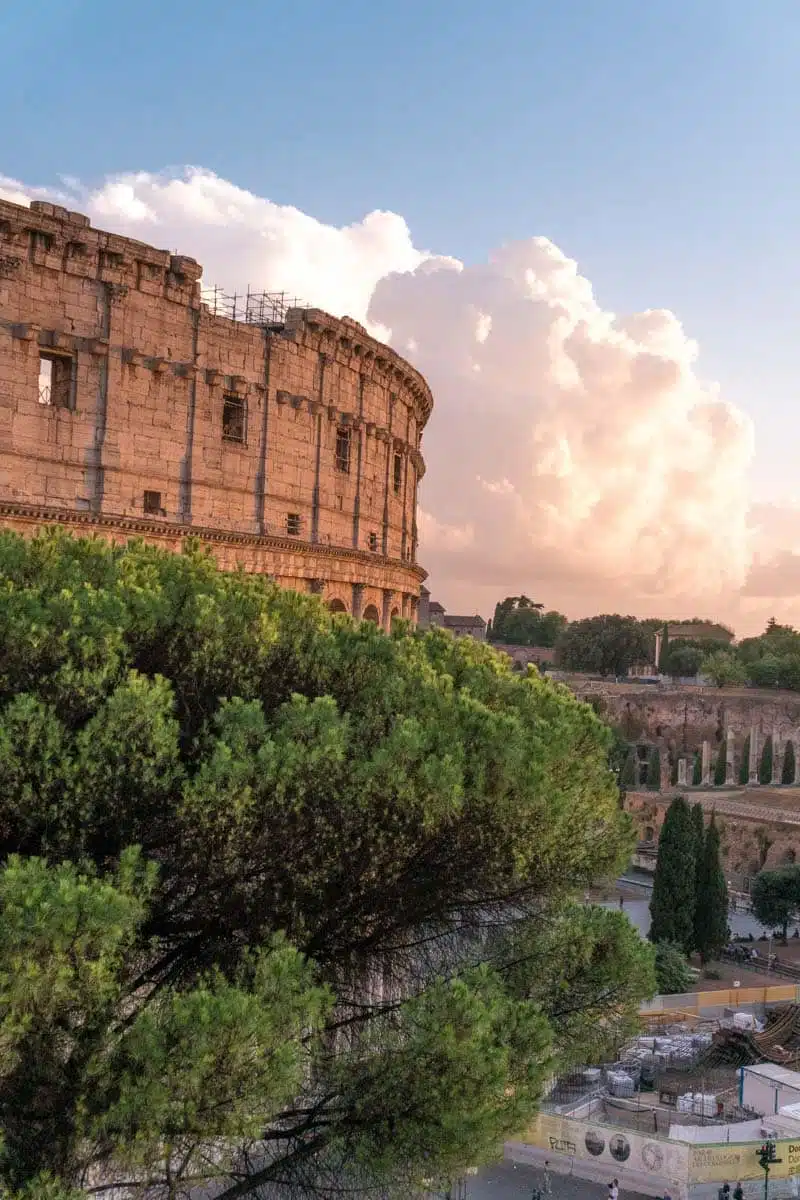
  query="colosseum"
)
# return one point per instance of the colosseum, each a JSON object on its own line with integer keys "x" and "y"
{"x": 133, "y": 403}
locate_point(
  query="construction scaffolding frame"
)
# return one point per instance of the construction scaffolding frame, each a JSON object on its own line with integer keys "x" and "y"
{"x": 268, "y": 309}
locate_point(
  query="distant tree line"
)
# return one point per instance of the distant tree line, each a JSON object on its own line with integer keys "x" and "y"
{"x": 607, "y": 644}
{"x": 770, "y": 660}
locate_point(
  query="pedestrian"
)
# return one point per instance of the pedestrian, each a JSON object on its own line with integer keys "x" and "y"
{"x": 738, "y": 1191}
{"x": 725, "y": 1192}
{"x": 666, "y": 1195}
{"x": 613, "y": 1190}
{"x": 622, "y": 901}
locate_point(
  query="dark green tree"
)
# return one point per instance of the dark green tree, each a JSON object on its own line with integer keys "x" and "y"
{"x": 724, "y": 668}
{"x": 711, "y": 903}
{"x": 654, "y": 768}
{"x": 673, "y": 973}
{"x": 720, "y": 765}
{"x": 697, "y": 769}
{"x": 765, "y": 766}
{"x": 775, "y": 896}
{"x": 223, "y": 813}
{"x": 629, "y": 777}
{"x": 698, "y": 842}
{"x": 682, "y": 659}
{"x": 672, "y": 903}
{"x": 744, "y": 763}
{"x": 787, "y": 775}
{"x": 522, "y": 622}
{"x": 607, "y": 644}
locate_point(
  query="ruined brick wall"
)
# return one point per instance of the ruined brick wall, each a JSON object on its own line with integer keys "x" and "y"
{"x": 680, "y": 719}
{"x": 751, "y": 838}
{"x": 128, "y": 406}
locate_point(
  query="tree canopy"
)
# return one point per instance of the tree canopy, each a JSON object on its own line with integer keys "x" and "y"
{"x": 711, "y": 897}
{"x": 674, "y": 883}
{"x": 775, "y": 896}
{"x": 282, "y": 896}
{"x": 519, "y": 621}
{"x": 606, "y": 644}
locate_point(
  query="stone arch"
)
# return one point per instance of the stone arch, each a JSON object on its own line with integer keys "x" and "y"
{"x": 337, "y": 606}
{"x": 371, "y": 613}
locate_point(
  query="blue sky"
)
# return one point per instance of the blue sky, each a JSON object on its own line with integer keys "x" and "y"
{"x": 654, "y": 141}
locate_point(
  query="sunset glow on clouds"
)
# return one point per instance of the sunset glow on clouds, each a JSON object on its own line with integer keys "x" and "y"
{"x": 573, "y": 453}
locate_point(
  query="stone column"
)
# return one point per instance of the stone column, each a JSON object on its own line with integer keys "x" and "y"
{"x": 777, "y": 757}
{"x": 681, "y": 772}
{"x": 358, "y": 600}
{"x": 753, "y": 766}
{"x": 705, "y": 777}
{"x": 730, "y": 758}
{"x": 386, "y": 616}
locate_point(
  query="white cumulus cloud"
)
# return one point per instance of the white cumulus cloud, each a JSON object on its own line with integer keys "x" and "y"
{"x": 574, "y": 453}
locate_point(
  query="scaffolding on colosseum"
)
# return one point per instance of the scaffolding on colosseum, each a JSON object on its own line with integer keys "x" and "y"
{"x": 253, "y": 308}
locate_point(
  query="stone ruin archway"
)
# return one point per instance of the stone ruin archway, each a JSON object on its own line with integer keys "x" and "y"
{"x": 337, "y": 606}
{"x": 371, "y": 613}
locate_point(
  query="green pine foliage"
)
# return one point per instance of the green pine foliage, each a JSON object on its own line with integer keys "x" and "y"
{"x": 629, "y": 777}
{"x": 223, "y": 814}
{"x": 787, "y": 774}
{"x": 654, "y": 768}
{"x": 765, "y": 765}
{"x": 720, "y": 766}
{"x": 673, "y": 973}
{"x": 673, "y": 900}
{"x": 744, "y": 764}
{"x": 711, "y": 902}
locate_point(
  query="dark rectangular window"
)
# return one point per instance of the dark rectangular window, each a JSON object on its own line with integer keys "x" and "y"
{"x": 373, "y": 541}
{"x": 343, "y": 450}
{"x": 293, "y": 524}
{"x": 152, "y": 504}
{"x": 56, "y": 376}
{"x": 234, "y": 418}
{"x": 398, "y": 473}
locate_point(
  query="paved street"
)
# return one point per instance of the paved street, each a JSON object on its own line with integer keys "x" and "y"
{"x": 507, "y": 1181}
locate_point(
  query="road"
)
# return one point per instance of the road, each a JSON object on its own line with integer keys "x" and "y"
{"x": 507, "y": 1181}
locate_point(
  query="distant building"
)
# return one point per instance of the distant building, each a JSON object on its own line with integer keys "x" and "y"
{"x": 474, "y": 626}
{"x": 432, "y": 613}
{"x": 700, "y": 631}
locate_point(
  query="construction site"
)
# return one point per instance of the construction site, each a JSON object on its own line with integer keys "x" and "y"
{"x": 684, "y": 1107}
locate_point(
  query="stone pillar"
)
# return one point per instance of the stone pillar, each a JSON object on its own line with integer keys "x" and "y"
{"x": 777, "y": 757}
{"x": 358, "y": 600}
{"x": 681, "y": 772}
{"x": 730, "y": 758}
{"x": 386, "y": 615}
{"x": 705, "y": 777}
{"x": 752, "y": 778}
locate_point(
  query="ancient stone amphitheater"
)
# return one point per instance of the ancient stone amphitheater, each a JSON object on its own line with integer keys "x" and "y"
{"x": 133, "y": 403}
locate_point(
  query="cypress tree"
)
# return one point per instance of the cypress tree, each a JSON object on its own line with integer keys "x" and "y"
{"x": 788, "y": 764}
{"x": 720, "y": 767}
{"x": 697, "y": 771}
{"x": 673, "y": 774}
{"x": 698, "y": 845}
{"x": 672, "y": 903}
{"x": 628, "y": 777}
{"x": 744, "y": 765}
{"x": 765, "y": 767}
{"x": 711, "y": 909}
{"x": 654, "y": 769}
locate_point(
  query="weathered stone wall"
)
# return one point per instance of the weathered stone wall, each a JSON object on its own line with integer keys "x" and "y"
{"x": 149, "y": 373}
{"x": 680, "y": 719}
{"x": 752, "y": 835}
